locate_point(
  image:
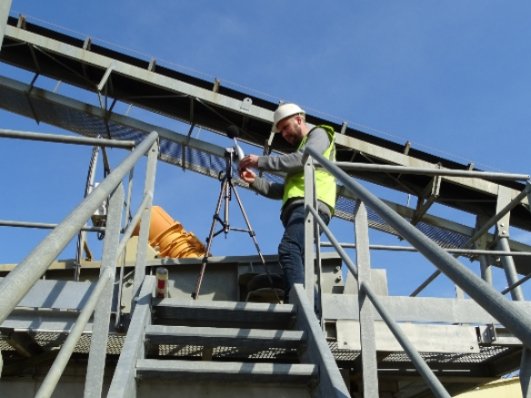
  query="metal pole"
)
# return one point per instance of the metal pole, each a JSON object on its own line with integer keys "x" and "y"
{"x": 64, "y": 139}
{"x": 416, "y": 359}
{"x": 102, "y": 314}
{"x": 41, "y": 225}
{"x": 18, "y": 282}
{"x": 514, "y": 318}
{"x": 518, "y": 283}
{"x": 472, "y": 252}
{"x": 378, "y": 168}
{"x": 369, "y": 362}
{"x": 479, "y": 233}
{"x": 309, "y": 248}
{"x": 435, "y": 385}
{"x": 143, "y": 236}
{"x": 510, "y": 270}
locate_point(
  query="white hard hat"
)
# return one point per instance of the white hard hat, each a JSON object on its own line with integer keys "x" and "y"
{"x": 284, "y": 111}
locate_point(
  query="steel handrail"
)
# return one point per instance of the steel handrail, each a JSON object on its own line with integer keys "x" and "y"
{"x": 20, "y": 280}
{"x": 65, "y": 139}
{"x": 380, "y": 168}
{"x": 505, "y": 311}
{"x": 59, "y": 364}
{"x": 417, "y": 360}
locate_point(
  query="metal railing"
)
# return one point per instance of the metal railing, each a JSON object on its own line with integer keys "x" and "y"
{"x": 506, "y": 312}
{"x": 21, "y": 279}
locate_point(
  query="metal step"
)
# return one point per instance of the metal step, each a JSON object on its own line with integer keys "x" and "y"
{"x": 223, "y": 313}
{"x": 227, "y": 371}
{"x": 232, "y": 337}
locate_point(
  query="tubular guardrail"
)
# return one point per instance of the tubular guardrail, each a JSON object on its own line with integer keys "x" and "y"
{"x": 20, "y": 280}
{"x": 511, "y": 316}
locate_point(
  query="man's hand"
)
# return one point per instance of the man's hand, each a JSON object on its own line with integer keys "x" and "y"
{"x": 247, "y": 175}
{"x": 248, "y": 161}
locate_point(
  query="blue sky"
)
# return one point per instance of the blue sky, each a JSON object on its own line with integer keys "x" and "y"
{"x": 452, "y": 77}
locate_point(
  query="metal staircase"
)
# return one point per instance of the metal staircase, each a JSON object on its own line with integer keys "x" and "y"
{"x": 222, "y": 348}
{"x": 112, "y": 329}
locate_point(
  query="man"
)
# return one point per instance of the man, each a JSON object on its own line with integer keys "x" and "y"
{"x": 290, "y": 121}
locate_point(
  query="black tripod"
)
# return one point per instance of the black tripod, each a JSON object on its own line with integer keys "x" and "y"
{"x": 227, "y": 188}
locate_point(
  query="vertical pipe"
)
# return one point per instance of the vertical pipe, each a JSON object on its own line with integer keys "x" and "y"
{"x": 149, "y": 185}
{"x": 102, "y": 314}
{"x": 368, "y": 342}
{"x": 309, "y": 249}
{"x": 122, "y": 256}
{"x": 484, "y": 260}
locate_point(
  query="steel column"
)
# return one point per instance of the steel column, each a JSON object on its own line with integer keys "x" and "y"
{"x": 502, "y": 228}
{"x": 484, "y": 260}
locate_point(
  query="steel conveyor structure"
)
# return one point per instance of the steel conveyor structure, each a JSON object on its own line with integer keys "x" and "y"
{"x": 116, "y": 78}
{"x": 199, "y": 103}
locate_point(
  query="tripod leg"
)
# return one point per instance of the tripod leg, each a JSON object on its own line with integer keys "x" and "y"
{"x": 252, "y": 234}
{"x": 222, "y": 195}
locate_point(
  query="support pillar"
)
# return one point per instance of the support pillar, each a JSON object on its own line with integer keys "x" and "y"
{"x": 502, "y": 227}
{"x": 5, "y": 6}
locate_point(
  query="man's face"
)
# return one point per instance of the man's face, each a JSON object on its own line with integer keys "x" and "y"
{"x": 291, "y": 130}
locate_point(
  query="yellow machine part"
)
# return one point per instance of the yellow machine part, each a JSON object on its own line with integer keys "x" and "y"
{"x": 170, "y": 238}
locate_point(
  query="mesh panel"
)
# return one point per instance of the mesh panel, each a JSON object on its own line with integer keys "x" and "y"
{"x": 82, "y": 122}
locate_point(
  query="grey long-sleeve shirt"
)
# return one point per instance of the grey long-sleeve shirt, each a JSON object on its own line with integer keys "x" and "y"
{"x": 318, "y": 139}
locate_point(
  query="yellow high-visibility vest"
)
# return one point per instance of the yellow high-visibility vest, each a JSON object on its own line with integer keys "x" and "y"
{"x": 325, "y": 183}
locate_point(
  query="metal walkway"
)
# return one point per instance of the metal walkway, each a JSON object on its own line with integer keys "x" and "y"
{"x": 464, "y": 343}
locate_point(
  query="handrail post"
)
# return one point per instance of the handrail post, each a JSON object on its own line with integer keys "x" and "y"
{"x": 102, "y": 314}
{"x": 143, "y": 236}
{"x": 18, "y": 282}
{"x": 511, "y": 316}
{"x": 368, "y": 341}
{"x": 309, "y": 228}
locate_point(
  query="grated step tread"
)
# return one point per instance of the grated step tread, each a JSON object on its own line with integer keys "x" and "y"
{"x": 234, "y": 337}
{"x": 227, "y": 371}
{"x": 223, "y": 313}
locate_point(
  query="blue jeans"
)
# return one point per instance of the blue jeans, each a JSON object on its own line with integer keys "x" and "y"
{"x": 291, "y": 248}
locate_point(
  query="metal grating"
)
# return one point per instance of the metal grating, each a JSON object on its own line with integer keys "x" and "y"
{"x": 90, "y": 121}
